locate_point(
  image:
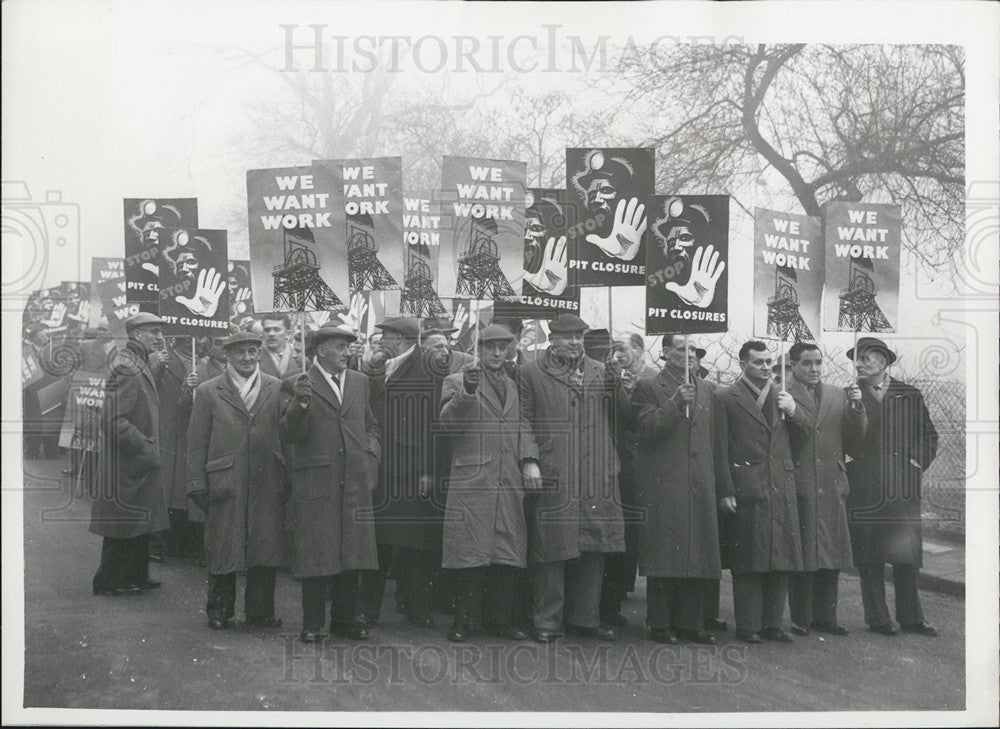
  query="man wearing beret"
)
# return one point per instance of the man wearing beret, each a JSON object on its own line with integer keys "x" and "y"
{"x": 885, "y": 476}
{"x": 235, "y": 475}
{"x": 130, "y": 503}
{"x": 335, "y": 453}
{"x": 493, "y": 460}
{"x": 572, "y": 404}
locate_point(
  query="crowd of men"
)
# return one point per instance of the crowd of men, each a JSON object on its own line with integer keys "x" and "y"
{"x": 520, "y": 494}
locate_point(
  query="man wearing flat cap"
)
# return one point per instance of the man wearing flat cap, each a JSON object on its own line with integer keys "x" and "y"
{"x": 572, "y": 404}
{"x": 883, "y": 504}
{"x": 335, "y": 452}
{"x": 235, "y": 475}
{"x": 493, "y": 461}
{"x": 130, "y": 503}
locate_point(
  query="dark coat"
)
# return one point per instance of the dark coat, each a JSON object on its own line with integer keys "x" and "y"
{"x": 175, "y": 410}
{"x": 268, "y": 367}
{"x": 675, "y": 471}
{"x": 885, "y": 477}
{"x": 334, "y": 455}
{"x": 484, "y": 519}
{"x": 235, "y": 456}
{"x": 579, "y": 508}
{"x": 754, "y": 463}
{"x": 130, "y": 497}
{"x": 413, "y": 446}
{"x": 823, "y": 436}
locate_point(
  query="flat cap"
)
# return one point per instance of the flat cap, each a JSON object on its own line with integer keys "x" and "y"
{"x": 331, "y": 331}
{"x": 567, "y": 323}
{"x": 401, "y": 325}
{"x": 495, "y": 332}
{"x": 240, "y": 338}
{"x": 442, "y": 324}
{"x": 872, "y": 343}
{"x": 142, "y": 319}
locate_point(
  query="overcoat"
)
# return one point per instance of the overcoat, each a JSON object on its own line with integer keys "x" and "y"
{"x": 267, "y": 365}
{"x": 413, "y": 446}
{"x": 175, "y": 410}
{"x": 334, "y": 452}
{"x": 825, "y": 434}
{"x": 754, "y": 463}
{"x": 130, "y": 498}
{"x": 675, "y": 471}
{"x": 235, "y": 456}
{"x": 579, "y": 508}
{"x": 484, "y": 516}
{"x": 885, "y": 476}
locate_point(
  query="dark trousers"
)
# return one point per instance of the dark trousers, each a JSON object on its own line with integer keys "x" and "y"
{"x": 710, "y": 599}
{"x": 673, "y": 602}
{"x": 371, "y": 587}
{"x": 124, "y": 562}
{"x": 904, "y": 579}
{"x": 568, "y": 591}
{"x": 258, "y": 598}
{"x": 484, "y": 595}
{"x": 812, "y": 597}
{"x": 619, "y": 578}
{"x": 759, "y": 600}
{"x": 343, "y": 587}
{"x": 417, "y": 568}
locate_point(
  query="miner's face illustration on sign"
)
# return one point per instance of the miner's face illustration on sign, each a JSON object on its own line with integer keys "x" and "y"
{"x": 600, "y": 194}
{"x": 680, "y": 229}
{"x": 187, "y": 265}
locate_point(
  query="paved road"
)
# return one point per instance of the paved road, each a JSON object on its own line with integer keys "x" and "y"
{"x": 154, "y": 651}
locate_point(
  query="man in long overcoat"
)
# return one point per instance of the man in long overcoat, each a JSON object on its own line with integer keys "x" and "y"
{"x": 755, "y": 478}
{"x": 493, "y": 457}
{"x": 335, "y": 453}
{"x": 572, "y": 404}
{"x": 235, "y": 475}
{"x": 831, "y": 422}
{"x": 675, "y": 471}
{"x": 884, "y": 500}
{"x": 130, "y": 503}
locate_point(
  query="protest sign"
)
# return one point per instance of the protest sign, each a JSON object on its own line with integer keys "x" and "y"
{"x": 114, "y": 302}
{"x": 421, "y": 247}
{"x": 373, "y": 204}
{"x": 102, "y": 269}
{"x": 75, "y": 296}
{"x": 83, "y": 413}
{"x": 240, "y": 291}
{"x": 194, "y": 282}
{"x": 144, "y": 217}
{"x": 687, "y": 251}
{"x": 862, "y": 243}
{"x": 609, "y": 187}
{"x": 298, "y": 253}
{"x": 788, "y": 275}
{"x": 482, "y": 242}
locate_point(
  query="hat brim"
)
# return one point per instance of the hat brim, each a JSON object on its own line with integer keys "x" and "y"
{"x": 319, "y": 336}
{"x": 889, "y": 354}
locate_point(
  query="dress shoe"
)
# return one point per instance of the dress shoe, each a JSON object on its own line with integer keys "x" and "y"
{"x": 702, "y": 637}
{"x": 216, "y": 624}
{"x": 920, "y": 629}
{"x": 311, "y": 636}
{"x": 261, "y": 622}
{"x": 507, "y": 632}
{"x": 776, "y": 634}
{"x": 354, "y": 631}
{"x": 829, "y": 628}
{"x": 661, "y": 635}
{"x": 156, "y": 557}
{"x": 886, "y": 629}
{"x": 547, "y": 636}
{"x": 747, "y": 636}
{"x": 119, "y": 591}
{"x": 719, "y": 626}
{"x": 425, "y": 622}
{"x": 799, "y": 629}
{"x": 458, "y": 634}
{"x": 151, "y": 584}
{"x": 601, "y": 632}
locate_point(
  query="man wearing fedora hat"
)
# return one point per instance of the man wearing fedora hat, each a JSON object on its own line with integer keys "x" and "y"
{"x": 335, "y": 453}
{"x": 130, "y": 504}
{"x": 573, "y": 405}
{"x": 235, "y": 475}
{"x": 884, "y": 499}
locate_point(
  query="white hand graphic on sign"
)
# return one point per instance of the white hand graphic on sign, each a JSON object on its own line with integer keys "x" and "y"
{"x": 706, "y": 268}
{"x": 241, "y": 299}
{"x": 461, "y": 317}
{"x": 206, "y": 297}
{"x": 353, "y": 317}
{"x": 552, "y": 277}
{"x": 626, "y": 233}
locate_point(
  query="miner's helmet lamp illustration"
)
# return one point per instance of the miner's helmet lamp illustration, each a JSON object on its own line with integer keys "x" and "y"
{"x": 680, "y": 228}
{"x": 543, "y": 218}
{"x": 601, "y": 181}
{"x": 152, "y": 217}
{"x": 186, "y": 253}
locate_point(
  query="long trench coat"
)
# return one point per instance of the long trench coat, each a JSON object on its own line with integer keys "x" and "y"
{"x": 484, "y": 515}
{"x": 579, "y": 508}
{"x": 334, "y": 454}
{"x": 235, "y": 456}
{"x": 886, "y": 477}
{"x": 754, "y": 464}
{"x": 675, "y": 471}
{"x": 824, "y": 435}
{"x": 130, "y": 498}
{"x": 175, "y": 410}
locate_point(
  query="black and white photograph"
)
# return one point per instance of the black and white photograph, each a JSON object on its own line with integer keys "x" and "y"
{"x": 501, "y": 363}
